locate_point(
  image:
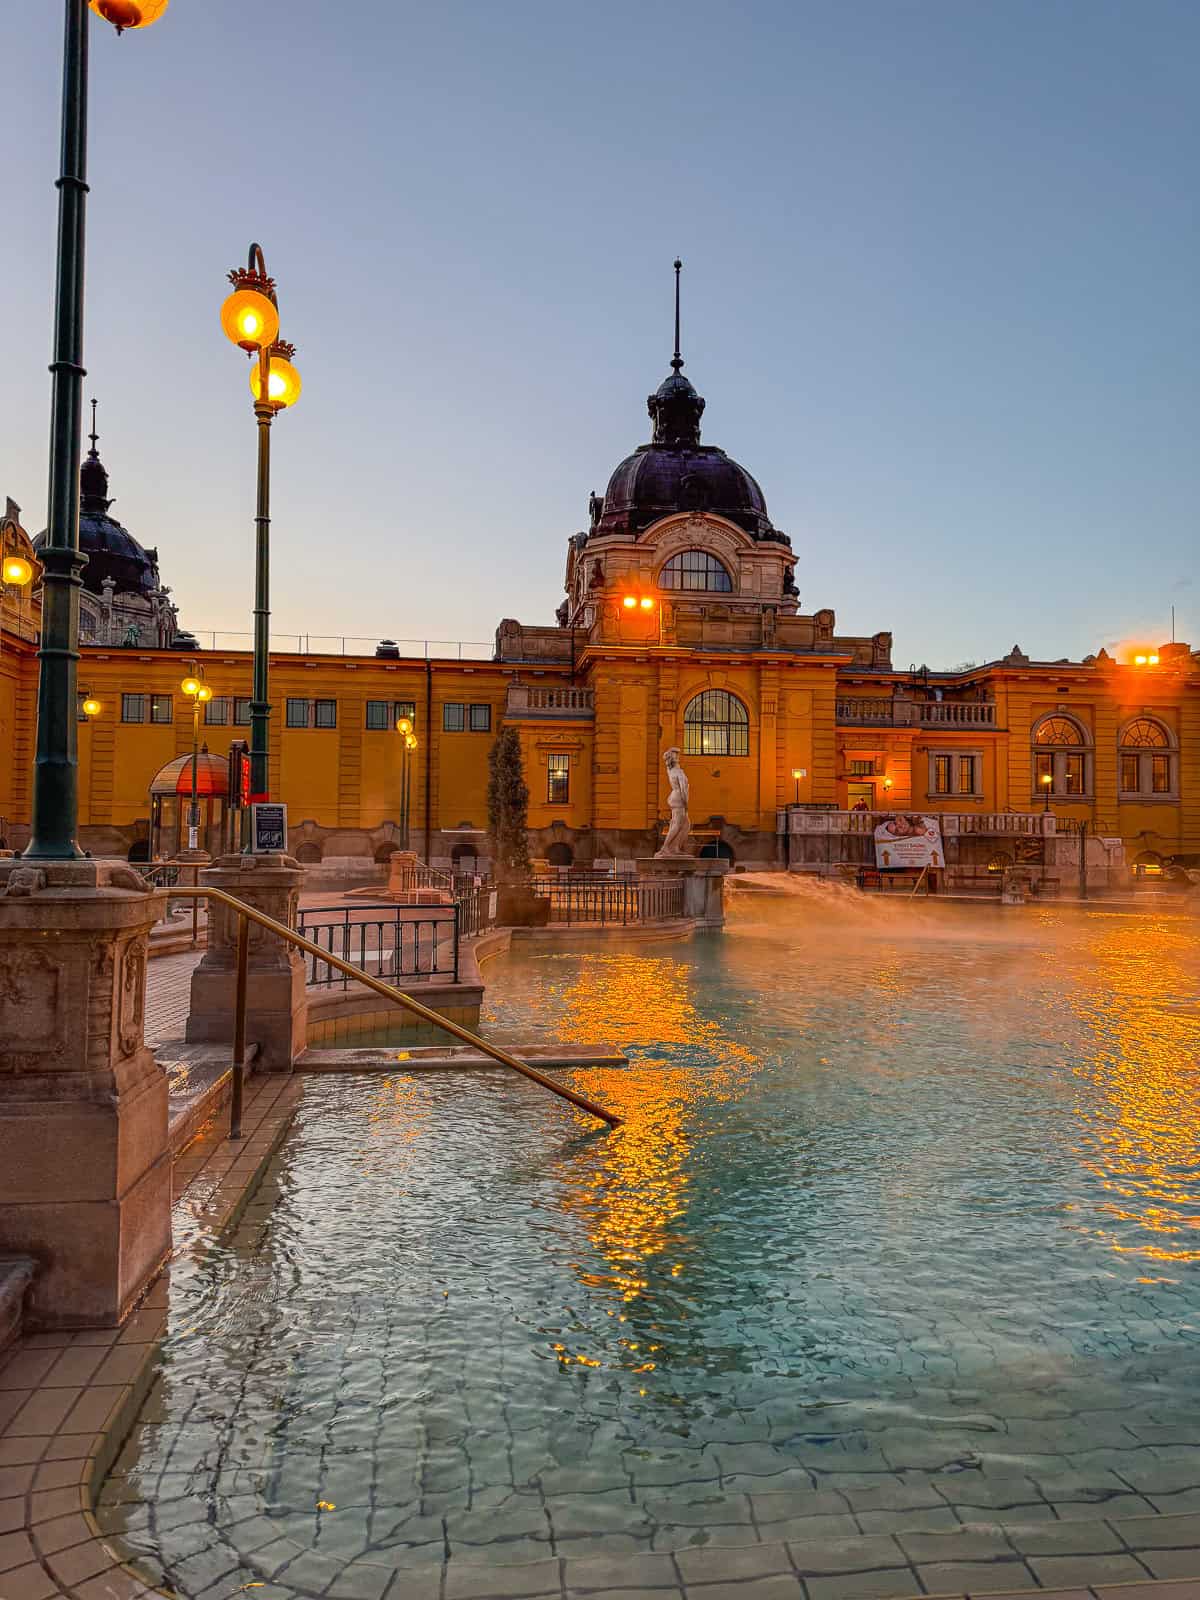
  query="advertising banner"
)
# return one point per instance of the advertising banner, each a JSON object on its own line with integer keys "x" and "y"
{"x": 909, "y": 841}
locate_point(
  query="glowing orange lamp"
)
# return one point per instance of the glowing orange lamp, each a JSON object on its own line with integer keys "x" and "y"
{"x": 17, "y": 571}
{"x": 129, "y": 13}
{"x": 283, "y": 381}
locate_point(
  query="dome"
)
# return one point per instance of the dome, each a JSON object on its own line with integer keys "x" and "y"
{"x": 111, "y": 550}
{"x": 657, "y": 480}
{"x": 212, "y": 777}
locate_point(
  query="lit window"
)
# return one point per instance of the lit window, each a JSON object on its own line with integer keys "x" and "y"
{"x": 1149, "y": 760}
{"x": 695, "y": 569}
{"x": 558, "y": 785}
{"x": 951, "y": 772}
{"x": 716, "y": 724}
{"x": 862, "y": 767}
{"x": 1061, "y": 752}
{"x": 966, "y": 774}
{"x": 161, "y": 709}
{"x": 403, "y": 708}
{"x": 481, "y": 719}
{"x": 454, "y": 717}
{"x": 941, "y": 774}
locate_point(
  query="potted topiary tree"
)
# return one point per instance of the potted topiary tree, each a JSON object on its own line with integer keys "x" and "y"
{"x": 508, "y": 822}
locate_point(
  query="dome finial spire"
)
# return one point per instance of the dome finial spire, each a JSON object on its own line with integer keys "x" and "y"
{"x": 677, "y": 359}
{"x": 94, "y": 436}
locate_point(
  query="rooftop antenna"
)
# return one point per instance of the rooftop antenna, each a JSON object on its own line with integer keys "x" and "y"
{"x": 1172, "y": 624}
{"x": 677, "y": 359}
{"x": 93, "y": 436}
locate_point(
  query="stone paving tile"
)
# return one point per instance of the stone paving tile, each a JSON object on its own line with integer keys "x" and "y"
{"x": 1162, "y": 1532}
{"x": 503, "y": 1583}
{"x": 1173, "y": 1564}
{"x": 783, "y": 1587}
{"x": 965, "y": 1544}
{"x": 674, "y": 1592}
{"x": 1070, "y": 1571}
{"x": 30, "y": 1582}
{"x": 709, "y": 1565}
{"x": 976, "y": 1577}
{"x": 871, "y": 1553}
{"x": 606, "y": 1572}
{"x": 901, "y": 1583}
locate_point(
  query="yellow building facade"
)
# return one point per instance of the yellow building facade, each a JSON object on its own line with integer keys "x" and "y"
{"x": 681, "y": 626}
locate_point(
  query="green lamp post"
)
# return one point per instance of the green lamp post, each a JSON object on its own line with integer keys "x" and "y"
{"x": 250, "y": 319}
{"x": 56, "y": 763}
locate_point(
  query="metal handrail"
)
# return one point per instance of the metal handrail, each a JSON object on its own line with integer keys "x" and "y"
{"x": 387, "y": 990}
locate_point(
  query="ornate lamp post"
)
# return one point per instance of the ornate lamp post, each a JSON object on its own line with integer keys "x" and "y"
{"x": 199, "y": 694}
{"x": 56, "y": 765}
{"x": 250, "y": 319}
{"x": 797, "y": 774}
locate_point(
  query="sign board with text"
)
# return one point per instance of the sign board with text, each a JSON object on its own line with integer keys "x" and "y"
{"x": 268, "y": 827}
{"x": 909, "y": 841}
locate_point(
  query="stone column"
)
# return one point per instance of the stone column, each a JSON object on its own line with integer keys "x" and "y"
{"x": 276, "y": 1005}
{"x": 85, "y": 1169}
{"x": 703, "y": 884}
{"x": 402, "y": 873}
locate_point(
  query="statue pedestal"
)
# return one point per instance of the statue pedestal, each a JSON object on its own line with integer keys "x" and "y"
{"x": 703, "y": 884}
{"x": 85, "y": 1169}
{"x": 276, "y": 1006}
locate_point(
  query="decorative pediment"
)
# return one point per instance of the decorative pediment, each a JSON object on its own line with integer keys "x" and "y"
{"x": 696, "y": 531}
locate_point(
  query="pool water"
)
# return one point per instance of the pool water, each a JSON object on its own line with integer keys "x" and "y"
{"x": 901, "y": 1233}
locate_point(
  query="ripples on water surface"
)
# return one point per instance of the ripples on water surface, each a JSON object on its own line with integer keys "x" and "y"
{"x": 883, "y": 1171}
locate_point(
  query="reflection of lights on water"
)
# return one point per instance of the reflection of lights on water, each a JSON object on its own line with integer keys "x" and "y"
{"x": 1143, "y": 1135}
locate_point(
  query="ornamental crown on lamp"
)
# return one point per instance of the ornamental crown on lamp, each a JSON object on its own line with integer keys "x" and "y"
{"x": 249, "y": 316}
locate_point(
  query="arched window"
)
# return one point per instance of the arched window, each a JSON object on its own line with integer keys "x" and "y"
{"x": 1148, "y": 759}
{"x": 716, "y": 724}
{"x": 1062, "y": 753}
{"x": 716, "y": 850}
{"x": 560, "y": 855}
{"x": 695, "y": 569}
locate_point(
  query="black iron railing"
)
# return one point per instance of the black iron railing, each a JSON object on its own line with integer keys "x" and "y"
{"x": 609, "y": 900}
{"x": 389, "y": 941}
{"x": 476, "y": 910}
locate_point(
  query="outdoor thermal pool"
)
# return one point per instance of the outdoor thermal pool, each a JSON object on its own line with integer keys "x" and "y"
{"x": 901, "y": 1235}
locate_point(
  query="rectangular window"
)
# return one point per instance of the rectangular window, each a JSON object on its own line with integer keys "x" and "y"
{"x": 1129, "y": 775}
{"x": 297, "y": 713}
{"x": 1072, "y": 774}
{"x": 966, "y": 775}
{"x": 80, "y": 713}
{"x": 404, "y": 708}
{"x": 377, "y": 715}
{"x": 1160, "y": 774}
{"x": 216, "y": 712}
{"x": 1043, "y": 768}
{"x": 558, "y": 782}
{"x": 864, "y": 768}
{"x": 326, "y": 713}
{"x": 941, "y": 775}
{"x": 481, "y": 719}
{"x": 161, "y": 709}
{"x": 241, "y": 710}
{"x": 133, "y": 708}
{"x": 453, "y": 718}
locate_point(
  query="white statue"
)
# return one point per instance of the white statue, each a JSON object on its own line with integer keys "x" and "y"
{"x": 675, "y": 844}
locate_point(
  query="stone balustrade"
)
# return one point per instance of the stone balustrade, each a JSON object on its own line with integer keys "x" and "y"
{"x": 884, "y": 711}
{"x": 531, "y": 700}
{"x": 1030, "y": 824}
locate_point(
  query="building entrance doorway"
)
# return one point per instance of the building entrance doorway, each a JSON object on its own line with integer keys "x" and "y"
{"x": 860, "y": 796}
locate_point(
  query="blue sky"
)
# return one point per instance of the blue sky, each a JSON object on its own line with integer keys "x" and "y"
{"x": 940, "y": 294}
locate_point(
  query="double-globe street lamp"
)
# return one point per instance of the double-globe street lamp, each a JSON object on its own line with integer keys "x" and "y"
{"x": 408, "y": 738}
{"x": 250, "y": 318}
{"x": 56, "y": 763}
{"x": 199, "y": 694}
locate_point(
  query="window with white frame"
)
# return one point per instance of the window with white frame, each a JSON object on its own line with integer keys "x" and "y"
{"x": 558, "y": 779}
{"x": 1148, "y": 760}
{"x": 956, "y": 772}
{"x": 1062, "y": 754}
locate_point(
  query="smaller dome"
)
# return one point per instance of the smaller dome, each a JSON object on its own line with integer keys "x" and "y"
{"x": 212, "y": 777}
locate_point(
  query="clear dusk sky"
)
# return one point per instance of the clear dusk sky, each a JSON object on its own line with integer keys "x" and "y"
{"x": 941, "y": 294}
